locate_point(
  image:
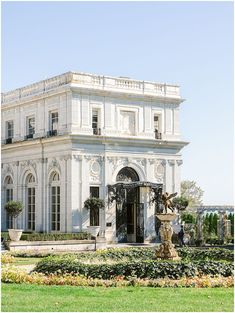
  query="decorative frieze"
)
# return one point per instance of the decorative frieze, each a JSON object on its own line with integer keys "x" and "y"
{"x": 7, "y": 169}
{"x": 54, "y": 164}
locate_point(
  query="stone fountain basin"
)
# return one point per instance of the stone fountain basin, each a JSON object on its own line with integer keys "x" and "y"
{"x": 168, "y": 217}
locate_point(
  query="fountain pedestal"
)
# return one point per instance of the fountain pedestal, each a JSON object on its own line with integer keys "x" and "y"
{"x": 167, "y": 249}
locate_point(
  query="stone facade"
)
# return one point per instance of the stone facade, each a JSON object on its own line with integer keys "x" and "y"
{"x": 86, "y": 128}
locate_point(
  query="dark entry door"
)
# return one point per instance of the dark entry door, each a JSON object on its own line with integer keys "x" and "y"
{"x": 140, "y": 222}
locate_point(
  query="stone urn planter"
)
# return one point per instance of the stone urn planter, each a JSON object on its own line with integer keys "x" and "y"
{"x": 15, "y": 234}
{"x": 167, "y": 249}
{"x": 93, "y": 230}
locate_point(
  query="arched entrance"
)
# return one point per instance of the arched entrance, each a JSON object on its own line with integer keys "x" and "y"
{"x": 129, "y": 212}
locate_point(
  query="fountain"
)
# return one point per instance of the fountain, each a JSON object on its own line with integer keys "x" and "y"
{"x": 167, "y": 249}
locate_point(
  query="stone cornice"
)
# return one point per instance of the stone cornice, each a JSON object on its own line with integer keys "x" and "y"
{"x": 104, "y": 140}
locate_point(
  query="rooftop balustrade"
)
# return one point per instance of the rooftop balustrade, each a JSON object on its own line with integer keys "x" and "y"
{"x": 83, "y": 80}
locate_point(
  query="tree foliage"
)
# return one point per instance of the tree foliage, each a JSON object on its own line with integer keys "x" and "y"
{"x": 180, "y": 203}
{"x": 14, "y": 208}
{"x": 94, "y": 203}
{"x": 188, "y": 218}
{"x": 191, "y": 192}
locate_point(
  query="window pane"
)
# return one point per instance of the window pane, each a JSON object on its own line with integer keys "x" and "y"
{"x": 31, "y": 125}
{"x": 94, "y": 192}
{"x": 10, "y": 129}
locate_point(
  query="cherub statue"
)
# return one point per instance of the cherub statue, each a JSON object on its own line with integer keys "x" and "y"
{"x": 167, "y": 202}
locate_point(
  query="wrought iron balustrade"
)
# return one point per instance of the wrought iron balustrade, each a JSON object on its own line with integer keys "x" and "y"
{"x": 52, "y": 133}
{"x": 8, "y": 140}
{"x": 157, "y": 134}
{"x": 97, "y": 131}
{"x": 29, "y": 136}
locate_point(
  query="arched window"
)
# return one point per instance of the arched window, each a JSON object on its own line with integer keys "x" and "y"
{"x": 30, "y": 200}
{"x": 127, "y": 174}
{"x": 55, "y": 201}
{"x": 9, "y": 197}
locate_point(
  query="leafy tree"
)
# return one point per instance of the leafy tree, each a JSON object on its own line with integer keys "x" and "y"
{"x": 214, "y": 222}
{"x": 191, "y": 192}
{"x": 188, "y": 218}
{"x": 180, "y": 203}
{"x": 210, "y": 222}
{"x": 206, "y": 224}
{"x": 94, "y": 203}
{"x": 14, "y": 208}
{"x": 231, "y": 218}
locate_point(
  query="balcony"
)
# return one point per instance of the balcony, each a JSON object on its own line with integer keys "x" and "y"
{"x": 97, "y": 131}
{"x": 157, "y": 134}
{"x": 8, "y": 141}
{"x": 29, "y": 136}
{"x": 52, "y": 133}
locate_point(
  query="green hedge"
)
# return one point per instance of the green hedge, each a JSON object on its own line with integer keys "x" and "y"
{"x": 50, "y": 236}
{"x": 143, "y": 253}
{"x": 141, "y": 269}
{"x": 215, "y": 254}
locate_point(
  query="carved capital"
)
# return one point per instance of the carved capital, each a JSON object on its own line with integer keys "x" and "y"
{"x": 179, "y": 162}
{"x": 171, "y": 162}
{"x": 77, "y": 157}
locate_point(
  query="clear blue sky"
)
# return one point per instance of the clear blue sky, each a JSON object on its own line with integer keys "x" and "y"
{"x": 189, "y": 43}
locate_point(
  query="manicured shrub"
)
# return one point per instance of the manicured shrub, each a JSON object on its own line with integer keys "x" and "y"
{"x": 7, "y": 258}
{"x": 50, "y": 236}
{"x": 13, "y": 275}
{"x": 134, "y": 254}
{"x": 215, "y": 254}
{"x": 142, "y": 269}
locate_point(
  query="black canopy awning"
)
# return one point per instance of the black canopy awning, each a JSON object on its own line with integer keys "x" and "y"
{"x": 128, "y": 185}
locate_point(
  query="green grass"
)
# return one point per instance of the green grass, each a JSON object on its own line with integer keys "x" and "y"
{"x": 25, "y": 261}
{"x": 32, "y": 298}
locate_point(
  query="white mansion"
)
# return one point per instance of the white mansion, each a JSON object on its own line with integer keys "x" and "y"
{"x": 78, "y": 135}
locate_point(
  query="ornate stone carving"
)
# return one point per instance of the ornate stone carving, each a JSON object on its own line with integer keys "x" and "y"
{"x": 28, "y": 163}
{"x": 78, "y": 157}
{"x": 171, "y": 162}
{"x": 7, "y": 169}
{"x": 66, "y": 157}
{"x": 166, "y": 249}
{"x": 179, "y": 162}
{"x": 54, "y": 164}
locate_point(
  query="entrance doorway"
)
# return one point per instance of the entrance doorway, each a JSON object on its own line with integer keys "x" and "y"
{"x": 129, "y": 212}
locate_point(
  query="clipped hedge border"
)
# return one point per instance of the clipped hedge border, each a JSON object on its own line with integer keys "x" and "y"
{"x": 140, "y": 269}
{"x": 50, "y": 237}
{"x": 14, "y": 275}
{"x": 215, "y": 254}
{"x": 142, "y": 253}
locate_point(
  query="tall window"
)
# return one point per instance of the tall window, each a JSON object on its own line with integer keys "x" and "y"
{"x": 156, "y": 126}
{"x": 95, "y": 122}
{"x": 54, "y": 120}
{"x": 9, "y": 197}
{"x": 9, "y": 129}
{"x": 94, "y": 214}
{"x": 31, "y": 201}
{"x": 30, "y": 126}
{"x": 156, "y": 122}
{"x": 55, "y": 202}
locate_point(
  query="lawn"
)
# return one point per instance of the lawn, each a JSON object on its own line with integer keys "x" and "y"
{"x": 32, "y": 298}
{"x": 25, "y": 261}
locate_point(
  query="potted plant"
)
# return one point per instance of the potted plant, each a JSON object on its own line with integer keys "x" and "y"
{"x": 94, "y": 204}
{"x": 14, "y": 208}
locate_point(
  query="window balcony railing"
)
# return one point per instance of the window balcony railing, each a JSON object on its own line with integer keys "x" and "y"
{"x": 8, "y": 140}
{"x": 29, "y": 136}
{"x": 97, "y": 131}
{"x": 52, "y": 133}
{"x": 157, "y": 134}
